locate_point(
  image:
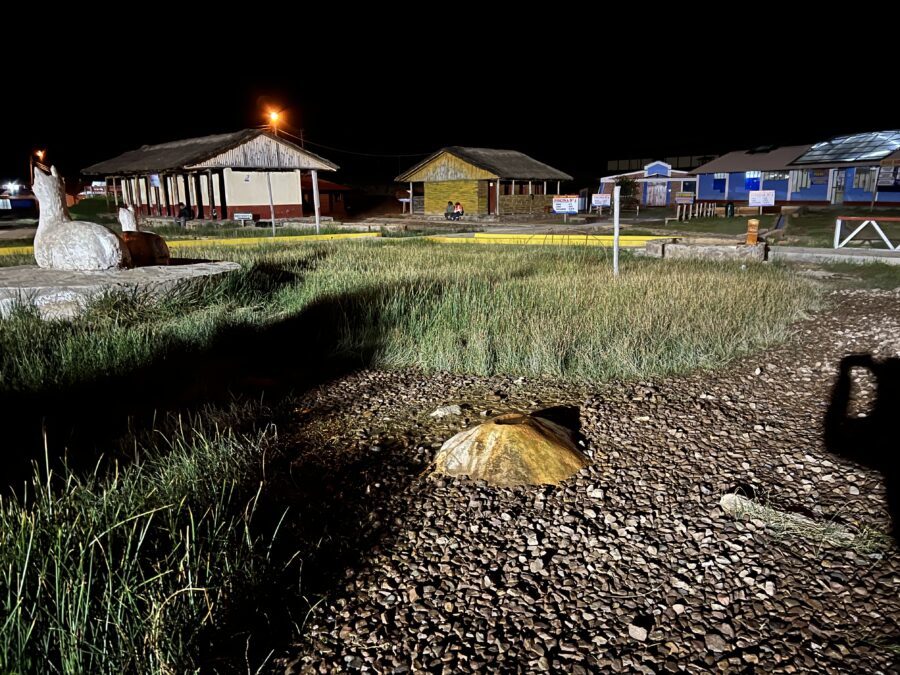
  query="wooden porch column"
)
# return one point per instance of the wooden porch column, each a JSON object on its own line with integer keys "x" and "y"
{"x": 165, "y": 188}
{"x": 300, "y": 187}
{"x": 115, "y": 194}
{"x": 106, "y": 191}
{"x": 498, "y": 197}
{"x": 149, "y": 194}
{"x": 513, "y": 190}
{"x": 410, "y": 198}
{"x": 315, "y": 182}
{"x": 212, "y": 196}
{"x": 223, "y": 202}
{"x": 136, "y": 187}
{"x": 198, "y": 193}
{"x": 187, "y": 192}
{"x": 545, "y": 187}
{"x": 529, "y": 188}
{"x": 557, "y": 187}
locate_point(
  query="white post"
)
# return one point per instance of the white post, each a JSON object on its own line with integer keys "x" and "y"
{"x": 315, "y": 182}
{"x": 498, "y": 196}
{"x": 557, "y": 187}
{"x": 115, "y": 194}
{"x": 271, "y": 201}
{"x": 410, "y": 198}
{"x": 837, "y": 233}
{"x": 616, "y": 191}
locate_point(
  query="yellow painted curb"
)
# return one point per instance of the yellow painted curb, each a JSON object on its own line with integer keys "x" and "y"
{"x": 246, "y": 241}
{"x": 242, "y": 241}
{"x": 16, "y": 250}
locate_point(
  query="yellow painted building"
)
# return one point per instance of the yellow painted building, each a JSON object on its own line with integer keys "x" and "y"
{"x": 483, "y": 180}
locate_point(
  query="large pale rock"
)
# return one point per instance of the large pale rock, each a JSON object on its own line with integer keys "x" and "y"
{"x": 512, "y": 449}
{"x": 65, "y": 244}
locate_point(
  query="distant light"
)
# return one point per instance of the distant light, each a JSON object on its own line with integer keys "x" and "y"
{"x": 274, "y": 116}
{"x": 40, "y": 154}
{"x": 12, "y": 188}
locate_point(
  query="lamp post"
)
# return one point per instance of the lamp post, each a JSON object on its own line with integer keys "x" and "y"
{"x": 273, "y": 121}
{"x": 40, "y": 155}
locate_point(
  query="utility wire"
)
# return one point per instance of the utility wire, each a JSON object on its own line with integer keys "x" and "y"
{"x": 305, "y": 140}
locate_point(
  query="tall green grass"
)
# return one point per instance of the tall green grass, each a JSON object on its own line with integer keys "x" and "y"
{"x": 516, "y": 310}
{"x": 130, "y": 571}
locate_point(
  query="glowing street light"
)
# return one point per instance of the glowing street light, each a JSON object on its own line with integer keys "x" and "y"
{"x": 40, "y": 155}
{"x": 274, "y": 116}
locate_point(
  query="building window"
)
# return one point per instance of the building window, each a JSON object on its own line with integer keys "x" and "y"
{"x": 720, "y": 176}
{"x": 775, "y": 175}
{"x": 751, "y": 180}
{"x": 864, "y": 178}
{"x": 799, "y": 180}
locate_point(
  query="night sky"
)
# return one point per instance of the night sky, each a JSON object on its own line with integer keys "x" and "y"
{"x": 573, "y": 104}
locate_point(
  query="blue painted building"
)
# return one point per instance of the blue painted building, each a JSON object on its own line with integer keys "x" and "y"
{"x": 658, "y": 183}
{"x": 855, "y": 169}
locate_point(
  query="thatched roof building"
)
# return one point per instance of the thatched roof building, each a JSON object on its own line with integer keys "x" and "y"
{"x": 483, "y": 180}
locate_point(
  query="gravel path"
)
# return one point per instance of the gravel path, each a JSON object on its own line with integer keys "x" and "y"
{"x": 631, "y": 566}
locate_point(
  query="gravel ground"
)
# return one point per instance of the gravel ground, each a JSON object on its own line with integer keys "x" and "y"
{"x": 630, "y": 566}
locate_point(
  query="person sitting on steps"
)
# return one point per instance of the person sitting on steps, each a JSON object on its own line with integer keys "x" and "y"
{"x": 448, "y": 212}
{"x": 458, "y": 212}
{"x": 185, "y": 213}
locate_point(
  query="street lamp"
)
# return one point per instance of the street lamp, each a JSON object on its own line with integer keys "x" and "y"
{"x": 40, "y": 155}
{"x": 273, "y": 121}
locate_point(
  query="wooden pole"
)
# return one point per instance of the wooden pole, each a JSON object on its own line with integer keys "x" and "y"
{"x": 616, "y": 192}
{"x": 557, "y": 187}
{"x": 497, "y": 207}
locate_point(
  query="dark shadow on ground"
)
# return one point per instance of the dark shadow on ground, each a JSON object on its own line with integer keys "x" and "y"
{"x": 871, "y": 440}
{"x": 335, "y": 503}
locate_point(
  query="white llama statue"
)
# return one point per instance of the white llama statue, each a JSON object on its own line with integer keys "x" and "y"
{"x": 127, "y": 219}
{"x": 65, "y": 244}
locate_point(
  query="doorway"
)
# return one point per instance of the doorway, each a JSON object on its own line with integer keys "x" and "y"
{"x": 838, "y": 187}
{"x": 656, "y": 193}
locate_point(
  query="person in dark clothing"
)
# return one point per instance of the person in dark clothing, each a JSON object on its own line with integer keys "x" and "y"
{"x": 448, "y": 212}
{"x": 184, "y": 214}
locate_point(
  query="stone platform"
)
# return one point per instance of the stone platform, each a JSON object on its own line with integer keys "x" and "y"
{"x": 62, "y": 293}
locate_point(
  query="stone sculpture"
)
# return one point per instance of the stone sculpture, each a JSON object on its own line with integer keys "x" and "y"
{"x": 145, "y": 248}
{"x": 65, "y": 244}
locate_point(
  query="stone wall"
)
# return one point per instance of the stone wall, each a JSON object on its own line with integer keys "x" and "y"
{"x": 525, "y": 204}
{"x": 671, "y": 251}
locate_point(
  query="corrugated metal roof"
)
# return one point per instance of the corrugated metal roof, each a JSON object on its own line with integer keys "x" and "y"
{"x": 176, "y": 155}
{"x": 505, "y": 164}
{"x": 778, "y": 159}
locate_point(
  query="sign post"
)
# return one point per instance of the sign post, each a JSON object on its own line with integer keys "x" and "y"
{"x": 600, "y": 200}
{"x": 762, "y": 198}
{"x": 565, "y": 204}
{"x": 616, "y": 191}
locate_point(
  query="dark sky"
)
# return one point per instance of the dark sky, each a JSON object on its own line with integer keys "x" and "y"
{"x": 570, "y": 103}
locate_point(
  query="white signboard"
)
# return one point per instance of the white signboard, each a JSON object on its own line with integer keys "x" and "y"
{"x": 601, "y": 200}
{"x": 565, "y": 204}
{"x": 762, "y": 198}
